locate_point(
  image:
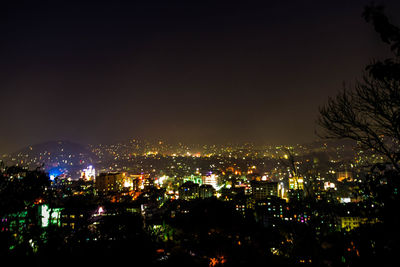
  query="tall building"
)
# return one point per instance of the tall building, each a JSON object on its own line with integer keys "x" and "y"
{"x": 189, "y": 190}
{"x": 263, "y": 189}
{"x": 109, "y": 182}
{"x": 296, "y": 183}
{"x": 206, "y": 191}
{"x": 211, "y": 179}
{"x": 271, "y": 210}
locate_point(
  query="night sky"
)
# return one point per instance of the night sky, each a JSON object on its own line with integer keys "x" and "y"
{"x": 189, "y": 71}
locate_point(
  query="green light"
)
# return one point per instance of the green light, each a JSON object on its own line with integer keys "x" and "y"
{"x": 49, "y": 216}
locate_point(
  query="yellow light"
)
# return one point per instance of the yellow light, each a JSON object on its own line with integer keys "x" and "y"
{"x": 128, "y": 183}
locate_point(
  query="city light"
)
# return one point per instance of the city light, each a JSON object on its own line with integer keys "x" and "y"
{"x": 49, "y": 216}
{"x": 89, "y": 173}
{"x": 202, "y": 133}
{"x": 212, "y": 180}
{"x": 100, "y": 211}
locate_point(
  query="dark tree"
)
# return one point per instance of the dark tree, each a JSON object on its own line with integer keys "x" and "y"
{"x": 369, "y": 113}
{"x": 19, "y": 188}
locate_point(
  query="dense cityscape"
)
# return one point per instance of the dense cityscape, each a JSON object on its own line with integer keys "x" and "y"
{"x": 167, "y": 188}
{"x": 180, "y": 86}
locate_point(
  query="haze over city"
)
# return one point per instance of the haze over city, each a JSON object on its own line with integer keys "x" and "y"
{"x": 200, "y": 72}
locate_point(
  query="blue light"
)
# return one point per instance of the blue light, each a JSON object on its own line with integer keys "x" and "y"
{"x": 54, "y": 172}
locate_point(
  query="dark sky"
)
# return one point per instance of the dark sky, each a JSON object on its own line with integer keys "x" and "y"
{"x": 189, "y": 71}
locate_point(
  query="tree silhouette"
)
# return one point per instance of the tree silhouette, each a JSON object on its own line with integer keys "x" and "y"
{"x": 19, "y": 189}
{"x": 369, "y": 113}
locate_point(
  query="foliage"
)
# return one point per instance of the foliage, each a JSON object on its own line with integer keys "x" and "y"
{"x": 20, "y": 188}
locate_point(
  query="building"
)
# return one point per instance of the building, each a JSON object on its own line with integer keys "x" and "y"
{"x": 263, "y": 189}
{"x": 295, "y": 195}
{"x": 72, "y": 218}
{"x": 88, "y": 174}
{"x": 329, "y": 186}
{"x": 206, "y": 191}
{"x": 270, "y": 210}
{"x": 49, "y": 216}
{"x": 241, "y": 208}
{"x": 194, "y": 178}
{"x": 344, "y": 175}
{"x": 211, "y": 179}
{"x": 296, "y": 183}
{"x": 109, "y": 182}
{"x": 188, "y": 191}
{"x": 349, "y": 223}
{"x": 77, "y": 216}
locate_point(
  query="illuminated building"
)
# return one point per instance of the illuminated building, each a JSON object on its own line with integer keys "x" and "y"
{"x": 75, "y": 217}
{"x": 211, "y": 179}
{"x": 234, "y": 170}
{"x": 329, "y": 185}
{"x": 140, "y": 181}
{"x": 161, "y": 180}
{"x": 194, "y": 178}
{"x": 296, "y": 183}
{"x": 109, "y": 182}
{"x": 345, "y": 200}
{"x": 49, "y": 216}
{"x": 131, "y": 182}
{"x": 127, "y": 183}
{"x": 343, "y": 175}
{"x": 281, "y": 191}
{"x": 349, "y": 223}
{"x": 296, "y": 188}
{"x": 88, "y": 174}
{"x": 263, "y": 189}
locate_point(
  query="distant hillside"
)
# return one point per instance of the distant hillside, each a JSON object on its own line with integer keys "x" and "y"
{"x": 57, "y": 156}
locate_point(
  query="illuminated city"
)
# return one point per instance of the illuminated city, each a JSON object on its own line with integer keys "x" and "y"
{"x": 148, "y": 134}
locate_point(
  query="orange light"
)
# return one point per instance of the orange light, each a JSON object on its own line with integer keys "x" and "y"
{"x": 213, "y": 262}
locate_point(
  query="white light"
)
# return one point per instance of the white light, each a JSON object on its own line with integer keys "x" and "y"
{"x": 128, "y": 183}
{"x": 88, "y": 173}
{"x": 100, "y": 211}
{"x": 211, "y": 180}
